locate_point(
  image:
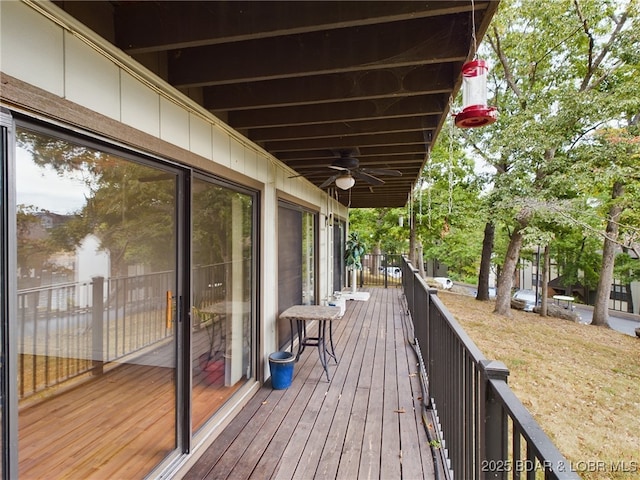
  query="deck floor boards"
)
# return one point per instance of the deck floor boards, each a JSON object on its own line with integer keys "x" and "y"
{"x": 365, "y": 423}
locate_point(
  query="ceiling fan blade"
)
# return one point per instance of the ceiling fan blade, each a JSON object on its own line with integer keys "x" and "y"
{"x": 316, "y": 173}
{"x": 329, "y": 181}
{"x": 382, "y": 171}
{"x": 338, "y": 167}
{"x": 366, "y": 177}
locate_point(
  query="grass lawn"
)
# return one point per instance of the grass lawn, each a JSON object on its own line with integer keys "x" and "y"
{"x": 580, "y": 382}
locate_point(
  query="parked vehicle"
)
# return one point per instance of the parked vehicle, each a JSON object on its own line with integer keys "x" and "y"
{"x": 444, "y": 282}
{"x": 394, "y": 272}
{"x": 528, "y": 297}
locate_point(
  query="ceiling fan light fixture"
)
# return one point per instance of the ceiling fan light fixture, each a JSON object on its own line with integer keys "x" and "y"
{"x": 345, "y": 182}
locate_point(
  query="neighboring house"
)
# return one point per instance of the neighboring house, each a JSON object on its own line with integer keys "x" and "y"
{"x": 624, "y": 298}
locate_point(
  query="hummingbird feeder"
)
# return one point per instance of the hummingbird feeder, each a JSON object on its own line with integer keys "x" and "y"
{"x": 475, "y": 112}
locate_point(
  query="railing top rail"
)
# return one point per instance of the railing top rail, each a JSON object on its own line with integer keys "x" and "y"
{"x": 462, "y": 335}
{"x": 54, "y": 286}
{"x": 471, "y": 347}
{"x": 142, "y": 275}
{"x": 536, "y": 438}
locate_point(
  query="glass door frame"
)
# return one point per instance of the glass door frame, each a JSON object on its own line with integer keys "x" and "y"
{"x": 8, "y": 295}
{"x": 255, "y": 337}
{"x": 183, "y": 175}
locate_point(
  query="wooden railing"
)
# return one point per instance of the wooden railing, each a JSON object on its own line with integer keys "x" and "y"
{"x": 485, "y": 431}
{"x": 72, "y": 329}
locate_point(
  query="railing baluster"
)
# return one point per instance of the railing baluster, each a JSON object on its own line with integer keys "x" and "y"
{"x": 515, "y": 454}
{"x": 476, "y": 407}
{"x": 97, "y": 325}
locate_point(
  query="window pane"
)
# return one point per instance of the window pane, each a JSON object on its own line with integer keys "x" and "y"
{"x": 222, "y": 243}
{"x": 96, "y": 339}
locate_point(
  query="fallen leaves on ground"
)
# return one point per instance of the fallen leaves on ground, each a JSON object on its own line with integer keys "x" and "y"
{"x": 580, "y": 382}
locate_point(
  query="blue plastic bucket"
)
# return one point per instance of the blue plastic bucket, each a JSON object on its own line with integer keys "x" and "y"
{"x": 281, "y": 366}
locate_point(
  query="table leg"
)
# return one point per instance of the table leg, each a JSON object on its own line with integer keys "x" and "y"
{"x": 333, "y": 348}
{"x": 322, "y": 347}
{"x": 301, "y": 328}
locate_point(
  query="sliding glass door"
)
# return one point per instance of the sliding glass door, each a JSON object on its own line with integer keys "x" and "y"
{"x": 223, "y": 286}
{"x": 297, "y": 261}
{"x": 97, "y": 316}
{"x": 128, "y": 300}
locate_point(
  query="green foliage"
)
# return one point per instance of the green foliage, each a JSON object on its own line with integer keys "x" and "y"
{"x": 381, "y": 227}
{"x": 354, "y": 251}
{"x": 130, "y": 206}
{"x": 450, "y": 208}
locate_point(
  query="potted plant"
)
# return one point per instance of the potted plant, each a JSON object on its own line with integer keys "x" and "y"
{"x": 353, "y": 257}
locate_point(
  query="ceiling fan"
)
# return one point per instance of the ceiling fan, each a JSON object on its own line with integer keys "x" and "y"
{"x": 348, "y": 170}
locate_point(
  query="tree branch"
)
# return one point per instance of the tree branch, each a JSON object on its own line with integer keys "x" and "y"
{"x": 585, "y": 26}
{"x": 595, "y": 64}
{"x": 508, "y": 75}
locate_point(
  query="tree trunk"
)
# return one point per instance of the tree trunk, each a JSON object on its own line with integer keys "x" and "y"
{"x": 412, "y": 242}
{"x": 485, "y": 261}
{"x": 376, "y": 259}
{"x": 419, "y": 259}
{"x": 545, "y": 286}
{"x": 505, "y": 281}
{"x": 603, "y": 293}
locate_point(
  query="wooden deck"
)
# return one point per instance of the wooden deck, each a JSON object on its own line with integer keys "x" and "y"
{"x": 366, "y": 423}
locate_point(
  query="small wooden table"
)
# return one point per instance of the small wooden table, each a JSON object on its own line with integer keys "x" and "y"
{"x": 309, "y": 313}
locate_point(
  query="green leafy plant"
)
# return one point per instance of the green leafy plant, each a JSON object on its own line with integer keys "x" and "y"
{"x": 354, "y": 252}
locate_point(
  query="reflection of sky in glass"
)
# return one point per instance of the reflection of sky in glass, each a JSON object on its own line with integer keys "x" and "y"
{"x": 45, "y": 189}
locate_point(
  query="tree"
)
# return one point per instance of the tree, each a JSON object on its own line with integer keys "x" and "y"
{"x": 130, "y": 206}
{"x": 449, "y": 208}
{"x": 557, "y": 77}
{"x": 615, "y": 155}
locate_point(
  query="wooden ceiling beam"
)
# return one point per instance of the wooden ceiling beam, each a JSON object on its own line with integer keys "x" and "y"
{"x": 344, "y": 129}
{"x": 403, "y": 138}
{"x": 332, "y": 51}
{"x": 344, "y": 111}
{"x": 316, "y": 89}
{"x": 146, "y": 26}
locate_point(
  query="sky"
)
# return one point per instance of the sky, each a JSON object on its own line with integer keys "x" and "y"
{"x": 45, "y": 189}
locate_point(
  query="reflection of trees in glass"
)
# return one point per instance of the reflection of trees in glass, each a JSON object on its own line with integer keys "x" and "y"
{"x": 133, "y": 209}
{"x": 308, "y": 257}
{"x": 216, "y": 211}
{"x": 212, "y": 222}
{"x": 34, "y": 246}
{"x": 130, "y": 207}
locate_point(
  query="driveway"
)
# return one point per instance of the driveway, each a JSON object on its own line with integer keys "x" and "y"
{"x": 620, "y": 321}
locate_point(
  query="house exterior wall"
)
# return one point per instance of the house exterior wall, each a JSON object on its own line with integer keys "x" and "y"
{"x": 57, "y": 70}
{"x": 65, "y": 59}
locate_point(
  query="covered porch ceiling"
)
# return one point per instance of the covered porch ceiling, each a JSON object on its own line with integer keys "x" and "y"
{"x": 310, "y": 81}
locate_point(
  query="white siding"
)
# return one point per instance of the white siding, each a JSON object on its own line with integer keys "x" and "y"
{"x": 140, "y": 106}
{"x": 221, "y": 149}
{"x": 174, "y": 123}
{"x": 95, "y": 75}
{"x": 91, "y": 80}
{"x": 200, "y": 137}
{"x": 32, "y": 47}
